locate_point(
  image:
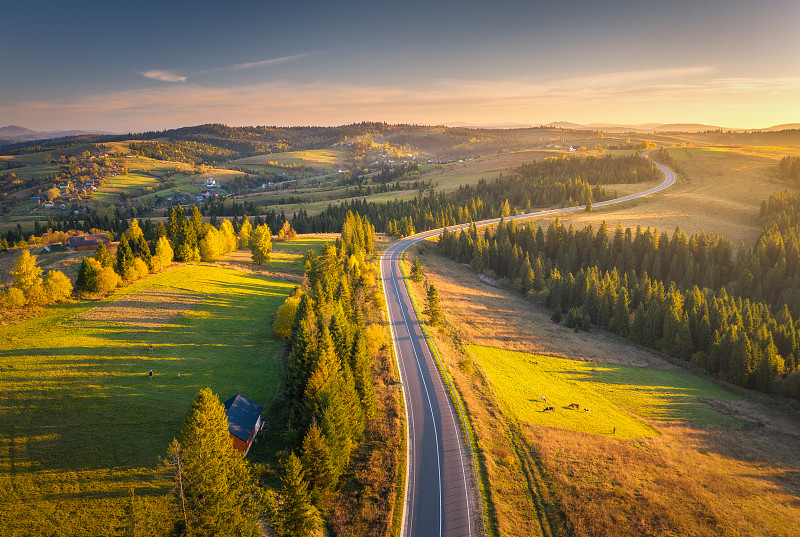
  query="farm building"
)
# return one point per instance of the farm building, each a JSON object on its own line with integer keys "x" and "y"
{"x": 244, "y": 421}
{"x": 87, "y": 242}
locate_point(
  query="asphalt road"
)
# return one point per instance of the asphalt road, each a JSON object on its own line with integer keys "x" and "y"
{"x": 439, "y": 498}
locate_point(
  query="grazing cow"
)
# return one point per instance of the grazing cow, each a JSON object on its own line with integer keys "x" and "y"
{"x": 549, "y": 409}
{"x": 544, "y": 399}
{"x": 576, "y": 406}
{"x": 151, "y": 346}
{"x": 150, "y": 374}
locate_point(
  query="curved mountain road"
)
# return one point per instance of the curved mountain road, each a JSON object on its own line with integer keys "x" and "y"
{"x": 440, "y": 497}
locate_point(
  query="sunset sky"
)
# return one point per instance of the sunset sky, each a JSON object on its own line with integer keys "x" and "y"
{"x": 134, "y": 66}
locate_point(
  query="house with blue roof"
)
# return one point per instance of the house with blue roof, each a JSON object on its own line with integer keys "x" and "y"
{"x": 244, "y": 421}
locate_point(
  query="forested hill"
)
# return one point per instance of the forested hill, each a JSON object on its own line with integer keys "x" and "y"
{"x": 239, "y": 142}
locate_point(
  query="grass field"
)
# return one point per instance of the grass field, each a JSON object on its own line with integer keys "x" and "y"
{"x": 617, "y": 396}
{"x": 287, "y": 256}
{"x": 80, "y": 422}
{"x": 449, "y": 177}
{"x": 29, "y": 172}
{"x": 154, "y": 166}
{"x": 721, "y": 192}
{"x": 326, "y": 160}
{"x": 286, "y": 259}
{"x": 132, "y": 182}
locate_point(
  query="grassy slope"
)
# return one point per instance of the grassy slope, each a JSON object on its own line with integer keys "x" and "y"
{"x": 82, "y": 424}
{"x": 721, "y": 191}
{"x": 327, "y": 160}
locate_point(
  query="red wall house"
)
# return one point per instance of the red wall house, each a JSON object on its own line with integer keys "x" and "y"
{"x": 244, "y": 421}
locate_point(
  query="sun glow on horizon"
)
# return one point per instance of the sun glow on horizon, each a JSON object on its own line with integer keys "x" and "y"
{"x": 678, "y": 95}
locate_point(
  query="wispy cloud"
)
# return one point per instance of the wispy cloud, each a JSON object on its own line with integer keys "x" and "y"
{"x": 272, "y": 61}
{"x": 254, "y": 65}
{"x": 164, "y": 76}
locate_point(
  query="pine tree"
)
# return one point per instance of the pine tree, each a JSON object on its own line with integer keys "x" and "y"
{"x": 505, "y": 210}
{"x": 330, "y": 397}
{"x": 341, "y": 333}
{"x": 88, "y": 277}
{"x": 197, "y": 222}
{"x": 297, "y": 516}
{"x": 124, "y": 264}
{"x": 622, "y": 313}
{"x": 174, "y": 226}
{"x": 432, "y": 306}
{"x": 143, "y": 252}
{"x": 416, "y": 270}
{"x": 316, "y": 458}
{"x": 218, "y": 491}
{"x": 361, "y": 365}
{"x": 103, "y": 257}
{"x": 557, "y": 315}
{"x": 303, "y": 350}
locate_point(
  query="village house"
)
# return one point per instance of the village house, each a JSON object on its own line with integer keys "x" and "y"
{"x": 244, "y": 421}
{"x": 87, "y": 242}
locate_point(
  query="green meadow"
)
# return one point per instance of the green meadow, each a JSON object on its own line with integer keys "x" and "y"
{"x": 322, "y": 159}
{"x": 617, "y": 396}
{"x": 81, "y": 424}
{"x": 288, "y": 256}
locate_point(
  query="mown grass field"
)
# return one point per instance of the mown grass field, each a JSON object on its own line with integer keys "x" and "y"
{"x": 153, "y": 166}
{"x": 132, "y": 183}
{"x": 81, "y": 424}
{"x": 617, "y": 396}
{"x": 30, "y": 172}
{"x": 326, "y": 160}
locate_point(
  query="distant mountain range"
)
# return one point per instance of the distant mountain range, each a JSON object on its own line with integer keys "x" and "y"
{"x": 15, "y": 134}
{"x": 638, "y": 128}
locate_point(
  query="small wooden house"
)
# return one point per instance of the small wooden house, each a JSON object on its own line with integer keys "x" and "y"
{"x": 244, "y": 421}
{"x": 87, "y": 242}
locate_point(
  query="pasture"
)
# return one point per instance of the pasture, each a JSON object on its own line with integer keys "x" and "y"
{"x": 617, "y": 396}
{"x": 81, "y": 424}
